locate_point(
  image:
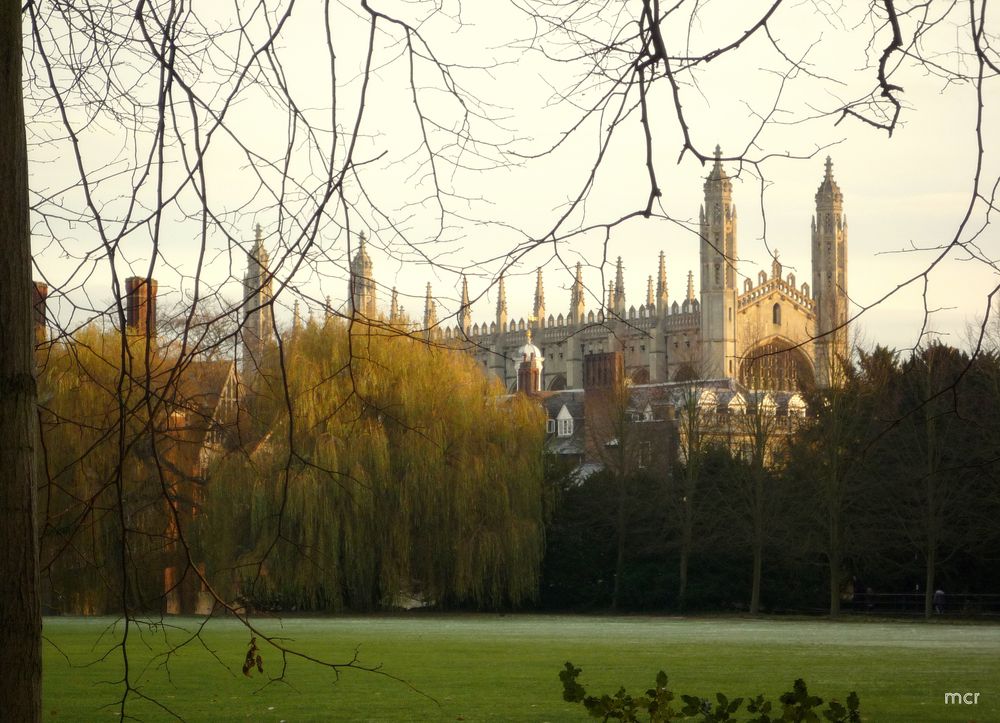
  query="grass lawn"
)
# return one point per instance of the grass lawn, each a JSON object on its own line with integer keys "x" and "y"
{"x": 489, "y": 667}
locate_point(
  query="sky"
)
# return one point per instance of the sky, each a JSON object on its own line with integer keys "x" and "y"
{"x": 499, "y": 150}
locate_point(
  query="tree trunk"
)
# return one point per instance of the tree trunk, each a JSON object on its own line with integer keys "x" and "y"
{"x": 930, "y": 585}
{"x": 758, "y": 530}
{"x": 834, "y": 554}
{"x": 758, "y": 566}
{"x": 621, "y": 527}
{"x": 686, "y": 534}
{"x": 20, "y": 621}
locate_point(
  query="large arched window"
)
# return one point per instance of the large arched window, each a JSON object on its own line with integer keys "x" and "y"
{"x": 776, "y": 364}
{"x": 776, "y": 314}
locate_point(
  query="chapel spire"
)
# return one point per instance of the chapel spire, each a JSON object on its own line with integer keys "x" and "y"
{"x": 258, "y": 295}
{"x": 464, "y": 311}
{"x": 501, "y": 307}
{"x": 430, "y": 312}
{"x": 662, "y": 294}
{"x": 619, "y": 290}
{"x": 394, "y": 307}
{"x": 539, "y": 308}
{"x": 577, "y": 298}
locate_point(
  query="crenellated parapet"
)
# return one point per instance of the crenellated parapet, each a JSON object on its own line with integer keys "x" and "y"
{"x": 714, "y": 332}
{"x": 656, "y": 312}
{"x": 765, "y": 286}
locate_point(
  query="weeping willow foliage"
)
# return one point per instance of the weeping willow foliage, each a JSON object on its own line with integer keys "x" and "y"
{"x": 103, "y": 514}
{"x": 392, "y": 468}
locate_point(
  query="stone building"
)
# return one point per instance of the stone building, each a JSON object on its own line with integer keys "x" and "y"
{"x": 767, "y": 331}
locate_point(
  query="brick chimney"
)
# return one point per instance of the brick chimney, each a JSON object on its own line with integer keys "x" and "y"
{"x": 603, "y": 371}
{"x": 40, "y": 297}
{"x": 140, "y": 306}
{"x": 603, "y": 375}
{"x": 529, "y": 379}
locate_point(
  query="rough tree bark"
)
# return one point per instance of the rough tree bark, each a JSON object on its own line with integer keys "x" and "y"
{"x": 20, "y": 616}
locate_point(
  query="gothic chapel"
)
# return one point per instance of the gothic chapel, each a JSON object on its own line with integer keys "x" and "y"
{"x": 763, "y": 332}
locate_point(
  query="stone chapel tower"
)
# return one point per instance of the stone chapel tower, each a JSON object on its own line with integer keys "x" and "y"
{"x": 362, "y": 291}
{"x": 258, "y": 319}
{"x": 829, "y": 264}
{"x": 718, "y": 275}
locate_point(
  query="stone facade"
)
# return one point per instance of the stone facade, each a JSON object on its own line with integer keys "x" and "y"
{"x": 765, "y": 331}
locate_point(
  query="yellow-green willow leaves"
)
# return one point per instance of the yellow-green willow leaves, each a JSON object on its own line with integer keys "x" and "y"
{"x": 393, "y": 469}
{"x": 104, "y": 507}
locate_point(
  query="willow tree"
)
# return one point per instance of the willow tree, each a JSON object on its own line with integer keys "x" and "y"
{"x": 395, "y": 469}
{"x": 110, "y": 491}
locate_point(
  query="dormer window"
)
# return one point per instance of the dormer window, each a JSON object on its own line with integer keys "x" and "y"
{"x": 550, "y": 426}
{"x": 564, "y": 423}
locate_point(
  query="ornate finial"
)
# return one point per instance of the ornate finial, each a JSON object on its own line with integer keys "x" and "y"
{"x": 717, "y": 173}
{"x": 531, "y": 320}
{"x": 361, "y": 237}
{"x": 690, "y": 287}
{"x": 829, "y": 167}
{"x": 258, "y": 233}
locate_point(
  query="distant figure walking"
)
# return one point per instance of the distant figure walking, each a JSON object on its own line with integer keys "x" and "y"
{"x": 939, "y": 601}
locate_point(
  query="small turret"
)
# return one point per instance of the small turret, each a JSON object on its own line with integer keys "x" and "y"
{"x": 362, "y": 282}
{"x": 296, "y": 317}
{"x": 529, "y": 369}
{"x": 258, "y": 322}
{"x": 394, "y": 307}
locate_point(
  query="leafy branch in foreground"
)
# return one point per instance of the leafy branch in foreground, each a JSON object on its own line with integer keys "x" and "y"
{"x": 795, "y": 705}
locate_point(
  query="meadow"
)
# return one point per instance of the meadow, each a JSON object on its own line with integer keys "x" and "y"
{"x": 505, "y": 668}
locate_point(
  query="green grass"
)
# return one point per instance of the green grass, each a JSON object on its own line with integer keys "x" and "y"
{"x": 488, "y": 667}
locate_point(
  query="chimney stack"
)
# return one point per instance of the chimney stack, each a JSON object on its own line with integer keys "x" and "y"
{"x": 140, "y": 306}
{"x": 39, "y": 316}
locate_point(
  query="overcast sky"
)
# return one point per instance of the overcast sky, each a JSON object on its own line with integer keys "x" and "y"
{"x": 901, "y": 194}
